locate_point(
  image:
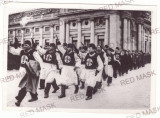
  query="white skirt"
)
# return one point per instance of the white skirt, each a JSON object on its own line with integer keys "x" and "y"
{"x": 68, "y": 76}
{"x": 89, "y": 76}
{"x": 49, "y": 72}
{"x": 109, "y": 70}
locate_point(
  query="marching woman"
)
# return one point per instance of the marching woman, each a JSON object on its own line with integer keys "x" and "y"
{"x": 30, "y": 63}
{"x": 93, "y": 65}
{"x": 109, "y": 62}
{"x": 71, "y": 62}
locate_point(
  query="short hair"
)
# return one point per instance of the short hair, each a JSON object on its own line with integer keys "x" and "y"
{"x": 92, "y": 46}
{"x": 70, "y": 45}
{"x": 52, "y": 45}
{"x": 106, "y": 46}
{"x": 64, "y": 44}
{"x": 117, "y": 48}
{"x": 27, "y": 42}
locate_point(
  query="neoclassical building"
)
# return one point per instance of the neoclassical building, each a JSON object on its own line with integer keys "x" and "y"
{"x": 130, "y": 30}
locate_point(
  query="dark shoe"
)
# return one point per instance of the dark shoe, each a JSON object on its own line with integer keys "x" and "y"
{"x": 32, "y": 99}
{"x": 46, "y": 95}
{"x": 55, "y": 90}
{"x": 88, "y": 98}
{"x": 16, "y": 98}
{"x": 61, "y": 96}
{"x": 76, "y": 89}
{"x": 66, "y": 87}
{"x": 17, "y": 104}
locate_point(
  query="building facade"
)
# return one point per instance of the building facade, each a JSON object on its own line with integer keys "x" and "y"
{"x": 130, "y": 30}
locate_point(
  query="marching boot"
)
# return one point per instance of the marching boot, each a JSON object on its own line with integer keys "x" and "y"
{"x": 34, "y": 97}
{"x": 89, "y": 93}
{"x": 109, "y": 81}
{"x": 95, "y": 88}
{"x": 54, "y": 84}
{"x": 22, "y": 93}
{"x": 46, "y": 90}
{"x": 42, "y": 84}
{"x": 62, "y": 92}
{"x": 76, "y": 89}
{"x": 99, "y": 85}
{"x": 82, "y": 86}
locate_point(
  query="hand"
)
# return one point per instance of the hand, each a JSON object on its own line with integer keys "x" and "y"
{"x": 75, "y": 68}
{"x": 96, "y": 72}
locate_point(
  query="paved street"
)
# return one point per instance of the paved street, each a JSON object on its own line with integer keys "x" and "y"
{"x": 130, "y": 96}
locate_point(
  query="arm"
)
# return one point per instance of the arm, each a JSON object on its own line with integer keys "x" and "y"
{"x": 41, "y": 50}
{"x": 100, "y": 64}
{"x": 61, "y": 49}
{"x": 59, "y": 60}
{"x": 77, "y": 60}
{"x": 105, "y": 59}
{"x": 38, "y": 58}
{"x": 14, "y": 51}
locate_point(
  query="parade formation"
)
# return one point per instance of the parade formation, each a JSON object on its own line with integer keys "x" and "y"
{"x": 62, "y": 65}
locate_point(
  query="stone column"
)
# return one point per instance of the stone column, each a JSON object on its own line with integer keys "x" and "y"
{"x": 129, "y": 43}
{"x": 92, "y": 30}
{"x": 79, "y": 33}
{"x": 67, "y": 32}
{"x": 125, "y": 34}
{"x": 106, "y": 38}
{"x": 143, "y": 40}
{"x": 51, "y": 39}
{"x": 32, "y": 32}
{"x": 22, "y": 40}
{"x": 41, "y": 37}
{"x": 62, "y": 31}
{"x": 139, "y": 37}
{"x": 14, "y": 35}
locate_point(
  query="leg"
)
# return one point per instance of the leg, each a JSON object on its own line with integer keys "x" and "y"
{"x": 22, "y": 93}
{"x": 46, "y": 90}
{"x": 82, "y": 86}
{"x": 42, "y": 84}
{"x": 34, "y": 97}
{"x": 89, "y": 92}
{"x": 54, "y": 84}
{"x": 63, "y": 89}
{"x": 76, "y": 89}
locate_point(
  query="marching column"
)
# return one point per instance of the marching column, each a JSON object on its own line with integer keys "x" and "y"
{"x": 92, "y": 30}
{"x": 106, "y": 30}
{"x": 79, "y": 33}
{"x": 67, "y": 32}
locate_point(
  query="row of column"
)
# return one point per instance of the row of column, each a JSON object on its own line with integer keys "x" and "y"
{"x": 65, "y": 32}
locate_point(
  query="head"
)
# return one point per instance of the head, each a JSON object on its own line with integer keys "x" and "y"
{"x": 117, "y": 49}
{"x": 52, "y": 47}
{"x": 91, "y": 48}
{"x": 106, "y": 48}
{"x": 122, "y": 52}
{"x": 27, "y": 45}
{"x": 69, "y": 47}
{"x": 110, "y": 50}
{"x": 99, "y": 48}
{"x": 65, "y": 46}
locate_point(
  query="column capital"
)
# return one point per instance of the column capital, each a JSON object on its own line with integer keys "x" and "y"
{"x": 78, "y": 20}
{"x": 140, "y": 20}
{"x": 126, "y": 15}
{"x": 106, "y": 16}
{"x": 92, "y": 18}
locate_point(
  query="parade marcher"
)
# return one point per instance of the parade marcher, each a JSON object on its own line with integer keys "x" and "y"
{"x": 51, "y": 69}
{"x": 93, "y": 65}
{"x": 109, "y": 62}
{"x": 101, "y": 54}
{"x": 82, "y": 54}
{"x": 30, "y": 63}
{"x": 71, "y": 62}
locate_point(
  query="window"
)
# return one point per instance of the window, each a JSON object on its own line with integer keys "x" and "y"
{"x": 46, "y": 29}
{"x": 27, "y": 30}
{"x": 74, "y": 24}
{"x": 86, "y": 22}
{"x": 74, "y": 41}
{"x": 86, "y": 40}
{"x": 19, "y": 31}
{"x": 46, "y": 42}
{"x": 57, "y": 28}
{"x": 101, "y": 40}
{"x": 36, "y": 29}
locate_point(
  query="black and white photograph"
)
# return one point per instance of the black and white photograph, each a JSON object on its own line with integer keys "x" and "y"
{"x": 79, "y": 59}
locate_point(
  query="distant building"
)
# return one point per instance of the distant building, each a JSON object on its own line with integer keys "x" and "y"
{"x": 130, "y": 30}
